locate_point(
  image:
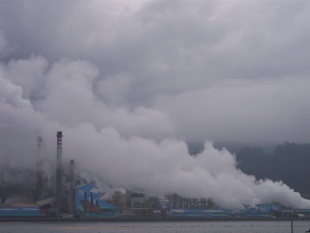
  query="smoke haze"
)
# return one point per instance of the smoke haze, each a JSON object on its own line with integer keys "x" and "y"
{"x": 130, "y": 83}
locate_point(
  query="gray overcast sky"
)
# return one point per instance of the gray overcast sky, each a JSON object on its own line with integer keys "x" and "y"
{"x": 152, "y": 72}
{"x": 234, "y": 71}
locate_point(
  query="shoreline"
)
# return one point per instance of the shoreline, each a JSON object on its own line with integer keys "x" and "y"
{"x": 141, "y": 219}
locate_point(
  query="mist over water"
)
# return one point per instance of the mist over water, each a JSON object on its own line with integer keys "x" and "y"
{"x": 129, "y": 83}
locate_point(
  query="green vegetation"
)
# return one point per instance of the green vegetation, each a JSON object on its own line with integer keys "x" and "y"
{"x": 290, "y": 162}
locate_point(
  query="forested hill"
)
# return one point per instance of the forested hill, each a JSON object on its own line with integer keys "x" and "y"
{"x": 290, "y": 162}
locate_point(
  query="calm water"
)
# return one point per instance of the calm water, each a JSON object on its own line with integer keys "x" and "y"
{"x": 155, "y": 227}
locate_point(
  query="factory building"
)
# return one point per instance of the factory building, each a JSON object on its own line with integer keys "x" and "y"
{"x": 177, "y": 202}
{"x": 73, "y": 196}
{"x": 66, "y": 194}
{"x": 19, "y": 206}
{"x": 23, "y": 210}
{"x": 88, "y": 204}
{"x": 135, "y": 199}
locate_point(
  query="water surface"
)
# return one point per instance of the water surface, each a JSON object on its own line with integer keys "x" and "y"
{"x": 156, "y": 227}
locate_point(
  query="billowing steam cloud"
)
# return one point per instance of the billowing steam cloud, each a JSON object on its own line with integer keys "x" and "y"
{"x": 131, "y": 148}
{"x": 129, "y": 82}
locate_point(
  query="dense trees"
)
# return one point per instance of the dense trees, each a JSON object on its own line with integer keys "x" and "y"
{"x": 290, "y": 162}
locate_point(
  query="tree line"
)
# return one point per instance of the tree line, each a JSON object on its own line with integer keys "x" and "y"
{"x": 289, "y": 162}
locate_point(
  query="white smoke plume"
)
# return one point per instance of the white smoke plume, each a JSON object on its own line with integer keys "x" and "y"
{"x": 128, "y": 147}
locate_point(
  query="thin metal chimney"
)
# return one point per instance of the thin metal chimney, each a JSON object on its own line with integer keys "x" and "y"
{"x": 71, "y": 192}
{"x": 59, "y": 171}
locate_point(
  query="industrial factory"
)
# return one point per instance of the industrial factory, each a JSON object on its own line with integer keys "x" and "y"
{"x": 65, "y": 194}
{"x": 62, "y": 195}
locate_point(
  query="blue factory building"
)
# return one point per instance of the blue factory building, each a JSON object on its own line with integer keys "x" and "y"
{"x": 259, "y": 211}
{"x": 20, "y": 212}
{"x": 88, "y": 203}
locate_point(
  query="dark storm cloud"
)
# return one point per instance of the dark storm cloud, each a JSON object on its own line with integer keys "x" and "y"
{"x": 131, "y": 80}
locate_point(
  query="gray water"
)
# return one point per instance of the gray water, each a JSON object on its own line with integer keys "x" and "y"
{"x": 156, "y": 227}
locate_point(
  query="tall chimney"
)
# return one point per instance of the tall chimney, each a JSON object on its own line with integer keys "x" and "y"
{"x": 39, "y": 172}
{"x": 71, "y": 193}
{"x": 59, "y": 171}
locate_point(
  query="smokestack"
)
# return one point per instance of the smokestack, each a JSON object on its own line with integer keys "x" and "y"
{"x": 59, "y": 171}
{"x": 39, "y": 175}
{"x": 71, "y": 193}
